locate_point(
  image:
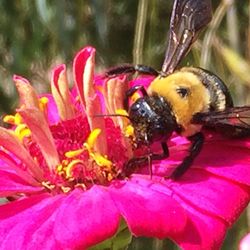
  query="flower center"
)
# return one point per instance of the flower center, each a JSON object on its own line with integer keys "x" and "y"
{"x": 81, "y": 165}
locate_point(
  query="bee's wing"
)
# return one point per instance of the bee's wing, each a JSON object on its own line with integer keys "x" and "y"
{"x": 232, "y": 121}
{"x": 187, "y": 19}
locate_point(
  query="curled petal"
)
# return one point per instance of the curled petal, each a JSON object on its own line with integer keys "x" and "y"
{"x": 52, "y": 110}
{"x": 28, "y": 96}
{"x": 61, "y": 93}
{"x": 11, "y": 184}
{"x": 79, "y": 68}
{"x": 8, "y": 164}
{"x": 11, "y": 143}
{"x": 42, "y": 136}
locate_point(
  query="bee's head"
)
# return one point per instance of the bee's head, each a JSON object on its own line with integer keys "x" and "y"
{"x": 152, "y": 119}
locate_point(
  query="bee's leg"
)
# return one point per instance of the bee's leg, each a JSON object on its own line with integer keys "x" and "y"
{"x": 136, "y": 162}
{"x": 146, "y": 70}
{"x": 197, "y": 142}
{"x": 163, "y": 155}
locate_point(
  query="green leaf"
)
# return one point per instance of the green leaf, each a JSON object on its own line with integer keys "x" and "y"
{"x": 119, "y": 241}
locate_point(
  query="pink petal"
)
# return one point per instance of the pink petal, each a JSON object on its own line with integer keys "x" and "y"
{"x": 142, "y": 80}
{"x": 85, "y": 219}
{"x": 214, "y": 158}
{"x": 41, "y": 134}
{"x": 61, "y": 93}
{"x": 212, "y": 195}
{"x": 29, "y": 223}
{"x": 11, "y": 184}
{"x": 11, "y": 143}
{"x": 79, "y": 67}
{"x": 28, "y": 96}
{"x": 227, "y": 158}
{"x": 52, "y": 111}
{"x": 201, "y": 232}
{"x": 148, "y": 212}
{"x": 9, "y": 164}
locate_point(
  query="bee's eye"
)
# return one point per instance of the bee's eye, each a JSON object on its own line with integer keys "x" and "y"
{"x": 183, "y": 92}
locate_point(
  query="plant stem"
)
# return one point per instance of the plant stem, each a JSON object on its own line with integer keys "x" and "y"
{"x": 140, "y": 31}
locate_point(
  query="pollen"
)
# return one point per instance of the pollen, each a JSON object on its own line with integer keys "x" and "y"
{"x": 129, "y": 131}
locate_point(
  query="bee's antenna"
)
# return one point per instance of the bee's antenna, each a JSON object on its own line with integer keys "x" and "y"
{"x": 111, "y": 115}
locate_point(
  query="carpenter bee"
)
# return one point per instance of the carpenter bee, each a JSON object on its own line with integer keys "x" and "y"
{"x": 184, "y": 100}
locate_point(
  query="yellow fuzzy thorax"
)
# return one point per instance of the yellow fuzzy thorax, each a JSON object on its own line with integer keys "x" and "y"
{"x": 183, "y": 107}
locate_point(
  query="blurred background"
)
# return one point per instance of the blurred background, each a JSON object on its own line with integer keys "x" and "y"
{"x": 36, "y": 35}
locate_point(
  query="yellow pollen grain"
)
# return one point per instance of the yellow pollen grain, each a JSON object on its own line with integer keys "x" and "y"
{"x": 59, "y": 168}
{"x": 73, "y": 153}
{"x": 110, "y": 177}
{"x": 129, "y": 131}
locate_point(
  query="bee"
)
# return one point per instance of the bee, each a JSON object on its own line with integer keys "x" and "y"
{"x": 184, "y": 100}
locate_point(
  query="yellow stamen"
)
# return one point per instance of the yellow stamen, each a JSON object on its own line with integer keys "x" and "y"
{"x": 90, "y": 142}
{"x": 65, "y": 189}
{"x": 13, "y": 119}
{"x": 43, "y": 103}
{"x": 22, "y": 131}
{"x": 101, "y": 161}
{"x": 121, "y": 112}
{"x": 81, "y": 185}
{"x": 70, "y": 167}
{"x": 9, "y": 119}
{"x": 48, "y": 185}
{"x": 73, "y": 153}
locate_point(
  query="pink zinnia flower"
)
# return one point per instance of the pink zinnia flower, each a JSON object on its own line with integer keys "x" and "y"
{"x": 61, "y": 163}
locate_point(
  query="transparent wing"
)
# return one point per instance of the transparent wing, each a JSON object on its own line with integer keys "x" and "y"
{"x": 187, "y": 19}
{"x": 232, "y": 121}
